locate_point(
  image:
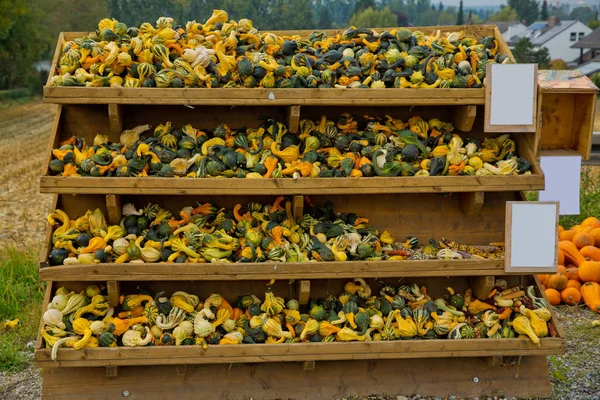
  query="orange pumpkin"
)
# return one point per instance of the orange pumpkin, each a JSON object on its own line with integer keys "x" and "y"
{"x": 590, "y": 252}
{"x": 560, "y": 229}
{"x": 589, "y": 271}
{"x": 543, "y": 278}
{"x": 592, "y": 222}
{"x": 572, "y": 273}
{"x": 582, "y": 239}
{"x": 553, "y": 296}
{"x": 567, "y": 235}
{"x": 561, "y": 268}
{"x": 557, "y": 281}
{"x": 579, "y": 228}
{"x": 596, "y": 234}
{"x": 572, "y": 283}
{"x": 561, "y": 257}
{"x": 570, "y": 296}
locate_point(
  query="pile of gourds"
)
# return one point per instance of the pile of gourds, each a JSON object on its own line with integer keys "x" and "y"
{"x": 248, "y": 233}
{"x": 223, "y": 53}
{"x": 85, "y": 319}
{"x": 347, "y": 147}
{"x": 578, "y": 276}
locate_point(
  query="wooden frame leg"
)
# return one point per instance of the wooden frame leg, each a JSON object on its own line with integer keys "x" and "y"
{"x": 482, "y": 285}
{"x": 293, "y": 118}
{"x": 303, "y": 291}
{"x": 115, "y": 117}
{"x": 114, "y": 292}
{"x": 113, "y": 206}
{"x": 464, "y": 118}
{"x": 470, "y": 203}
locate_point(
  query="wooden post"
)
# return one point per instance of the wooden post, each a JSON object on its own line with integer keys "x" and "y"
{"x": 482, "y": 286}
{"x": 464, "y": 117}
{"x": 471, "y": 203}
{"x": 112, "y": 372}
{"x": 113, "y": 206}
{"x": 298, "y": 207}
{"x": 494, "y": 361}
{"x": 115, "y": 117}
{"x": 293, "y": 118}
{"x": 308, "y": 366}
{"x": 303, "y": 291}
{"x": 114, "y": 292}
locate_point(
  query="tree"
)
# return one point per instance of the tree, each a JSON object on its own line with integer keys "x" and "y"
{"x": 460, "y": 19}
{"x": 558, "y": 64}
{"x": 583, "y": 14}
{"x": 527, "y": 10}
{"x": 506, "y": 13}
{"x": 363, "y": 5}
{"x": 470, "y": 18}
{"x": 440, "y": 7}
{"x": 524, "y": 52}
{"x": 370, "y": 18}
{"x": 324, "y": 20}
{"x": 544, "y": 12}
{"x": 593, "y": 24}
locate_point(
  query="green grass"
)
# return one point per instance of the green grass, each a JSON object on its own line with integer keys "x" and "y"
{"x": 22, "y": 293}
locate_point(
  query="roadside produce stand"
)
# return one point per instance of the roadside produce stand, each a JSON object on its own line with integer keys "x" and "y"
{"x": 467, "y": 209}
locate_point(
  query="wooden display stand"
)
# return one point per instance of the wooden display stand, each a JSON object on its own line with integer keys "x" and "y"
{"x": 466, "y": 209}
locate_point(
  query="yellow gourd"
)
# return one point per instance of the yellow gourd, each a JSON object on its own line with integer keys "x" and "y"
{"x": 539, "y": 326}
{"x": 523, "y": 327}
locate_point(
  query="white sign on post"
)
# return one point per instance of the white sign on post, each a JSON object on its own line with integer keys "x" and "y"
{"x": 511, "y": 92}
{"x": 563, "y": 182}
{"x": 531, "y": 237}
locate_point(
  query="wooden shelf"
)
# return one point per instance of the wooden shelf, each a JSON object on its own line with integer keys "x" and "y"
{"x": 302, "y": 186}
{"x": 259, "y": 353}
{"x": 267, "y": 271}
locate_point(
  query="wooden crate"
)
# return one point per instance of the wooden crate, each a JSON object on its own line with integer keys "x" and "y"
{"x": 296, "y": 352}
{"x": 236, "y": 96}
{"x": 88, "y": 120}
{"x": 468, "y": 218}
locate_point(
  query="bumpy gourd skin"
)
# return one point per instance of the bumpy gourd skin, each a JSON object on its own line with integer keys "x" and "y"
{"x": 523, "y": 327}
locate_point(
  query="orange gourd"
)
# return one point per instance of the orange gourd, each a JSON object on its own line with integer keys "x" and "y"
{"x": 582, "y": 239}
{"x": 561, "y": 268}
{"x": 596, "y": 234}
{"x": 590, "y": 252}
{"x": 579, "y": 228}
{"x": 560, "y": 229}
{"x": 567, "y": 235}
{"x": 557, "y": 281}
{"x": 572, "y": 254}
{"x": 590, "y": 293}
{"x": 570, "y": 296}
{"x": 543, "y": 278}
{"x": 572, "y": 283}
{"x": 589, "y": 271}
{"x": 592, "y": 222}
{"x": 561, "y": 257}
{"x": 572, "y": 273}
{"x": 553, "y": 296}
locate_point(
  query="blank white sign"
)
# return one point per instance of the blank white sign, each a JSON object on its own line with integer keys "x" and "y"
{"x": 513, "y": 94}
{"x": 562, "y": 182}
{"x": 532, "y": 244}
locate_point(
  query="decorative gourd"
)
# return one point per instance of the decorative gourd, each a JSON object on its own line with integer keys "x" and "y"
{"x": 582, "y": 239}
{"x": 589, "y": 271}
{"x": 572, "y": 273}
{"x": 561, "y": 257}
{"x": 570, "y": 296}
{"x": 107, "y": 339}
{"x": 553, "y": 296}
{"x": 596, "y": 234}
{"x": 523, "y": 327}
{"x": 557, "y": 281}
{"x": 539, "y": 326}
{"x": 567, "y": 235}
{"x": 572, "y": 254}
{"x": 572, "y": 283}
{"x": 590, "y": 293}
{"x": 590, "y": 252}
{"x": 592, "y": 222}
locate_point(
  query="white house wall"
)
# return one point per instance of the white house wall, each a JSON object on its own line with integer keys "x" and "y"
{"x": 514, "y": 30}
{"x": 560, "y": 45}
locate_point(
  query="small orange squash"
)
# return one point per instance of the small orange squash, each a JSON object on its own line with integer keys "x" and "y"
{"x": 572, "y": 283}
{"x": 570, "y": 296}
{"x": 561, "y": 268}
{"x": 592, "y": 222}
{"x": 572, "y": 273}
{"x": 543, "y": 278}
{"x": 589, "y": 271}
{"x": 560, "y": 229}
{"x": 590, "y": 252}
{"x": 590, "y": 293}
{"x": 553, "y": 296}
{"x": 572, "y": 254}
{"x": 561, "y": 257}
{"x": 580, "y": 229}
{"x": 596, "y": 234}
{"x": 582, "y": 239}
{"x": 557, "y": 281}
{"x": 567, "y": 235}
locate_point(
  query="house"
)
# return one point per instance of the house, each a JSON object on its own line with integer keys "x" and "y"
{"x": 589, "y": 47}
{"x": 556, "y": 35}
{"x": 509, "y": 29}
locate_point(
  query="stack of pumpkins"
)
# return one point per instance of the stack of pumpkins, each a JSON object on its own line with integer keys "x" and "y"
{"x": 578, "y": 276}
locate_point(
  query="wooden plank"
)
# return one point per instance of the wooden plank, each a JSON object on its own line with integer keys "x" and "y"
{"x": 47, "y": 245}
{"x": 113, "y": 206}
{"x": 112, "y": 372}
{"x": 55, "y": 57}
{"x": 298, "y": 207}
{"x": 114, "y": 292}
{"x": 482, "y": 285}
{"x": 47, "y": 298}
{"x": 293, "y": 118}
{"x": 115, "y": 116}
{"x": 55, "y": 136}
{"x": 308, "y": 366}
{"x": 328, "y": 381}
{"x": 471, "y": 203}
{"x": 464, "y": 118}
{"x": 303, "y": 291}
{"x": 265, "y": 271}
{"x": 294, "y": 352}
{"x": 302, "y": 186}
